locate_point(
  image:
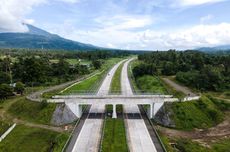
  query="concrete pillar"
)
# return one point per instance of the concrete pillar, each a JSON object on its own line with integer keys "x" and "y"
{"x": 75, "y": 108}
{"x": 150, "y": 111}
{"x": 157, "y": 107}
{"x": 114, "y": 112}
{"x": 78, "y": 110}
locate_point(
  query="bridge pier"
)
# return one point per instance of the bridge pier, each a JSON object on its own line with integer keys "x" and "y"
{"x": 114, "y": 111}
{"x": 75, "y": 108}
{"x": 153, "y": 109}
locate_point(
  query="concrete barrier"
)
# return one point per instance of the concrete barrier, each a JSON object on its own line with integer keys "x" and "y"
{"x": 7, "y": 132}
{"x": 190, "y": 98}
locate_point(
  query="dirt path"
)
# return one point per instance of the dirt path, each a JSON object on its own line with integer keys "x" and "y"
{"x": 204, "y": 136}
{"x": 178, "y": 87}
{"x": 30, "y": 124}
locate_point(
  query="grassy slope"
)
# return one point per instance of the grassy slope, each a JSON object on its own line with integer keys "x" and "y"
{"x": 32, "y": 111}
{"x": 93, "y": 83}
{"x": 187, "y": 145}
{"x": 116, "y": 81}
{"x": 114, "y": 136}
{"x": 151, "y": 84}
{"x": 27, "y": 139}
{"x": 3, "y": 127}
{"x": 90, "y": 84}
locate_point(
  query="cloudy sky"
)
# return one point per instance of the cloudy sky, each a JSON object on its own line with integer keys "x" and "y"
{"x": 125, "y": 24}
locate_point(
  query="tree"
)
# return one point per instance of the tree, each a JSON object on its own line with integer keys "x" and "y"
{"x": 97, "y": 64}
{"x": 5, "y": 91}
{"x": 19, "y": 88}
{"x": 4, "y": 78}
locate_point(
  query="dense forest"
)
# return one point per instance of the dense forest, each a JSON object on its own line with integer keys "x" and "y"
{"x": 20, "y": 68}
{"x": 196, "y": 69}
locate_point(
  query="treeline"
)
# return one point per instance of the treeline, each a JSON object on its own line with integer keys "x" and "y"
{"x": 52, "y": 54}
{"x": 20, "y": 68}
{"x": 196, "y": 69}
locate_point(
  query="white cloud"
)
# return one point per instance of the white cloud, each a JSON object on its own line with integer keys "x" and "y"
{"x": 124, "y": 22}
{"x": 12, "y": 14}
{"x": 69, "y": 1}
{"x": 194, "y": 2}
{"x": 197, "y": 36}
{"x": 193, "y": 37}
{"x": 206, "y": 18}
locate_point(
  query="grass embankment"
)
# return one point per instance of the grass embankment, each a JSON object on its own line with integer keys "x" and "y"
{"x": 3, "y": 127}
{"x": 188, "y": 145}
{"x": 89, "y": 85}
{"x": 39, "y": 112}
{"x": 115, "y": 87}
{"x": 28, "y": 139}
{"x": 93, "y": 83}
{"x": 203, "y": 113}
{"x": 114, "y": 138}
{"x": 150, "y": 84}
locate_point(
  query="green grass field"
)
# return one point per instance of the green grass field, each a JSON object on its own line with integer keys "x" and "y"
{"x": 116, "y": 81}
{"x": 92, "y": 84}
{"x": 114, "y": 136}
{"x": 38, "y": 112}
{"x": 28, "y": 139}
{"x": 150, "y": 84}
{"x": 196, "y": 114}
{"x": 188, "y": 145}
{"x": 3, "y": 127}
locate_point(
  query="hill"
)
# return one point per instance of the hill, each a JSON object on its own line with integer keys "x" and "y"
{"x": 37, "y": 38}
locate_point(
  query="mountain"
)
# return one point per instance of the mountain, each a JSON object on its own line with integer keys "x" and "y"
{"x": 216, "y": 48}
{"x": 37, "y": 38}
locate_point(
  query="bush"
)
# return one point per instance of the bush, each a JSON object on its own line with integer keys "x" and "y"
{"x": 19, "y": 88}
{"x": 5, "y": 91}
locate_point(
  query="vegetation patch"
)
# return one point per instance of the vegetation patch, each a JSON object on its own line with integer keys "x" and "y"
{"x": 188, "y": 145}
{"x": 90, "y": 85}
{"x": 151, "y": 84}
{"x": 39, "y": 112}
{"x": 116, "y": 81}
{"x": 28, "y": 139}
{"x": 4, "y": 127}
{"x": 196, "y": 114}
{"x": 114, "y": 136}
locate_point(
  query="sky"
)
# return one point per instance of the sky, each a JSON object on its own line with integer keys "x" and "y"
{"x": 125, "y": 24}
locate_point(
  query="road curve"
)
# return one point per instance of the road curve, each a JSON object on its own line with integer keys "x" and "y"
{"x": 90, "y": 134}
{"x": 138, "y": 136}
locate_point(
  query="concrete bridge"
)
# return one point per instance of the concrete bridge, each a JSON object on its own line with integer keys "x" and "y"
{"x": 75, "y": 102}
{"x": 138, "y": 137}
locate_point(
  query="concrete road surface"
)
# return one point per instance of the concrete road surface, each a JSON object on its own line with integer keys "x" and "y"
{"x": 90, "y": 135}
{"x": 139, "y": 139}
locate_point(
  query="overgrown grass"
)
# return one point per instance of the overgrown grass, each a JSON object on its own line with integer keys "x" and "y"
{"x": 188, "y": 145}
{"x": 114, "y": 136}
{"x": 4, "y": 127}
{"x": 90, "y": 85}
{"x": 28, "y": 139}
{"x": 196, "y": 114}
{"x": 116, "y": 81}
{"x": 39, "y": 112}
{"x": 151, "y": 84}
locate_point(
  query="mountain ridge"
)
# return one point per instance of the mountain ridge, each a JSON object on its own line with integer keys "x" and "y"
{"x": 37, "y": 38}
